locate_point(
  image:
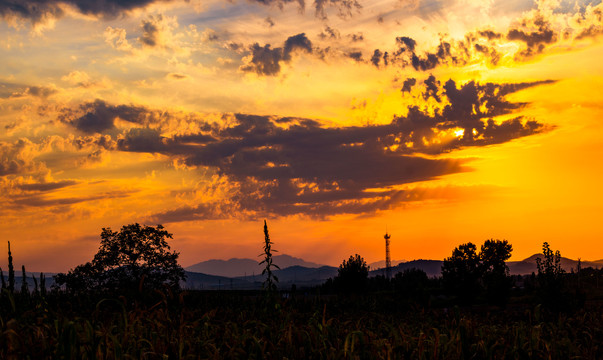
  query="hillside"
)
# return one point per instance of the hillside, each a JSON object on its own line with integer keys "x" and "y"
{"x": 237, "y": 267}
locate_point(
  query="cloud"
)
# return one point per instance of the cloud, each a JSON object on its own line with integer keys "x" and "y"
{"x": 345, "y": 8}
{"x": 329, "y": 33}
{"x": 38, "y": 11}
{"x": 19, "y": 157}
{"x": 535, "y": 36}
{"x": 283, "y": 165}
{"x": 99, "y": 117}
{"x": 408, "y": 84}
{"x": 46, "y": 186}
{"x": 265, "y": 60}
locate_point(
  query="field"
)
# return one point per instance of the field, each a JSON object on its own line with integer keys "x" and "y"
{"x": 293, "y": 325}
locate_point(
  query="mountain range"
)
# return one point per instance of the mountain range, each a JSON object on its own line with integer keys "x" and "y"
{"x": 246, "y": 267}
{"x": 239, "y": 273}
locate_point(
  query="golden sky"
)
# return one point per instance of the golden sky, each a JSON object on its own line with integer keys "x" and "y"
{"x": 446, "y": 121}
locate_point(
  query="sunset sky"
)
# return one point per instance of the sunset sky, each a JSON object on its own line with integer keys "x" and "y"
{"x": 444, "y": 121}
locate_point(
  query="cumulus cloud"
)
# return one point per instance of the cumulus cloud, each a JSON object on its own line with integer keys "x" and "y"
{"x": 19, "y": 157}
{"x": 265, "y": 60}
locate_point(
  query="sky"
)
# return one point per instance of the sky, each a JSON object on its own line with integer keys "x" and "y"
{"x": 440, "y": 122}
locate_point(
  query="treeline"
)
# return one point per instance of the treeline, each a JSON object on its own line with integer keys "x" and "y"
{"x": 470, "y": 277}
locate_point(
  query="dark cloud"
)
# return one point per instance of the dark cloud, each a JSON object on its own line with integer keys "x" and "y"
{"x": 269, "y": 21}
{"x": 535, "y": 37}
{"x": 490, "y": 34}
{"x": 408, "y": 43}
{"x": 297, "y": 42}
{"x": 345, "y": 8}
{"x": 150, "y": 32}
{"x": 41, "y": 200}
{"x": 278, "y": 166}
{"x": 329, "y": 33}
{"x": 376, "y": 58}
{"x": 47, "y": 186}
{"x": 266, "y": 60}
{"x": 39, "y": 10}
{"x": 356, "y": 37}
{"x": 142, "y": 140}
{"x": 408, "y": 84}
{"x": 9, "y": 90}
{"x": 98, "y": 116}
{"x": 356, "y": 55}
{"x": 432, "y": 86}
{"x": 177, "y": 76}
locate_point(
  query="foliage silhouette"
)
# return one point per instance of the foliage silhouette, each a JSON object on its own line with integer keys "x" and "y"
{"x": 412, "y": 283}
{"x": 461, "y": 271}
{"x": 352, "y": 275}
{"x": 466, "y": 272}
{"x": 271, "y": 279}
{"x": 495, "y": 272}
{"x": 11, "y": 271}
{"x": 136, "y": 257}
{"x": 552, "y": 290}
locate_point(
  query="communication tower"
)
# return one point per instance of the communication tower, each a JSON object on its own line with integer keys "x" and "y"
{"x": 388, "y": 260}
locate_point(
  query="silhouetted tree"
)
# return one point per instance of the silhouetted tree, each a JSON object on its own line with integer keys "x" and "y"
{"x": 2, "y": 277}
{"x": 412, "y": 283}
{"x": 551, "y": 287}
{"x": 271, "y": 279}
{"x": 136, "y": 257}
{"x": 461, "y": 271}
{"x": 494, "y": 270}
{"x": 466, "y": 271}
{"x": 352, "y": 275}
{"x": 11, "y": 271}
{"x": 549, "y": 267}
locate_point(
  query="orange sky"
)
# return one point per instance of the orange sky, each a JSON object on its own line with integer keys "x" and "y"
{"x": 444, "y": 121}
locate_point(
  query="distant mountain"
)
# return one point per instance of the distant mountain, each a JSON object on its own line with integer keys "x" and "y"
{"x": 381, "y": 264}
{"x": 237, "y": 267}
{"x": 528, "y": 265}
{"x": 431, "y": 267}
{"x": 199, "y": 281}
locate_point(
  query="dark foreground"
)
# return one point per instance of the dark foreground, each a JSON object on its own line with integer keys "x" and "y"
{"x": 201, "y": 325}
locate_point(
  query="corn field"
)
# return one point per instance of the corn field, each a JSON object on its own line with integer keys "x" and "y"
{"x": 215, "y": 325}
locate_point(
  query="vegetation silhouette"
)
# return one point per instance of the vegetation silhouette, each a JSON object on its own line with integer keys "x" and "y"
{"x": 11, "y": 271}
{"x": 410, "y": 316}
{"x": 466, "y": 273}
{"x": 352, "y": 275}
{"x": 271, "y": 279}
{"x": 136, "y": 257}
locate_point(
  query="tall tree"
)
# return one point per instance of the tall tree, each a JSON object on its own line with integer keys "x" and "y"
{"x": 352, "y": 275}
{"x": 136, "y": 257}
{"x": 495, "y": 272}
{"x": 461, "y": 271}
